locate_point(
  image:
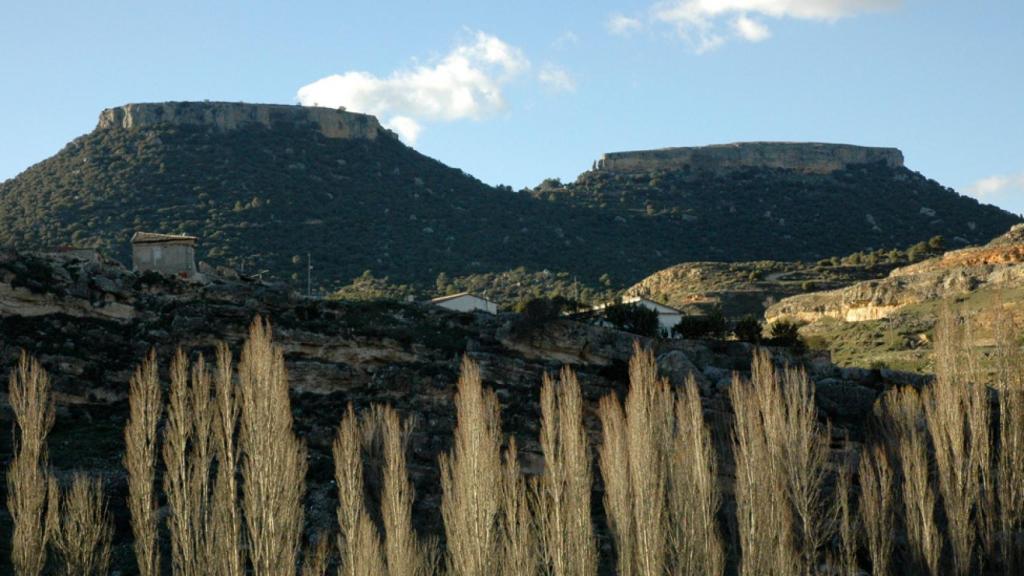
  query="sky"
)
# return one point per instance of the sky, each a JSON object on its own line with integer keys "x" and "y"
{"x": 515, "y": 92}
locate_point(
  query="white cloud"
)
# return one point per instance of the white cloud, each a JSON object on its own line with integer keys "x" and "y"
{"x": 996, "y": 186}
{"x": 567, "y": 38}
{"x": 556, "y": 78}
{"x": 700, "y": 21}
{"x": 622, "y": 25}
{"x": 465, "y": 84}
{"x": 750, "y": 29}
{"x": 407, "y": 128}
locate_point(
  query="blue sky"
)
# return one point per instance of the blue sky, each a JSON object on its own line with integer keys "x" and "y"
{"x": 514, "y": 92}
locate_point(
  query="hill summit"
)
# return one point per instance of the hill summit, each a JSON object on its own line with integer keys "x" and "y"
{"x": 812, "y": 157}
{"x": 233, "y": 116}
{"x": 267, "y": 187}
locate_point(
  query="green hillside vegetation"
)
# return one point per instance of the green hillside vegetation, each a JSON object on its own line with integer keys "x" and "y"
{"x": 262, "y": 199}
{"x": 904, "y": 340}
{"x": 785, "y": 215}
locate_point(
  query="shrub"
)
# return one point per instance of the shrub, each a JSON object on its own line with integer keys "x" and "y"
{"x": 748, "y": 329}
{"x": 697, "y": 327}
{"x": 537, "y": 312}
{"x": 633, "y": 318}
{"x": 787, "y": 334}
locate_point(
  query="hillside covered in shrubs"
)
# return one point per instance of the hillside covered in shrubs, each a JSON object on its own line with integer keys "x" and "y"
{"x": 263, "y": 198}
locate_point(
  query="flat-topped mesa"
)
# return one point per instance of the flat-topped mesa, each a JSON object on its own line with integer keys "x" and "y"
{"x": 225, "y": 116}
{"x": 798, "y": 156}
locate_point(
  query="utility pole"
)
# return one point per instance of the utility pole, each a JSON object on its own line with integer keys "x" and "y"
{"x": 309, "y": 275}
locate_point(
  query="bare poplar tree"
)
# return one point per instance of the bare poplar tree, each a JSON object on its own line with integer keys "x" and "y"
{"x": 145, "y": 408}
{"x": 358, "y": 541}
{"x": 694, "y": 496}
{"x": 564, "y": 497}
{"x": 519, "y": 554}
{"x": 877, "y": 507}
{"x": 273, "y": 460}
{"x": 471, "y": 479}
{"x": 226, "y": 529}
{"x": 32, "y": 404}
{"x": 84, "y": 533}
{"x": 404, "y": 552}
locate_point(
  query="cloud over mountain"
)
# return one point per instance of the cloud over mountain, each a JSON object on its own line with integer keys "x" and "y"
{"x": 467, "y": 83}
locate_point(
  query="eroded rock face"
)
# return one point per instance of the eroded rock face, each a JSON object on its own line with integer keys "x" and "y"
{"x": 954, "y": 274}
{"x": 798, "y": 156}
{"x": 231, "y": 115}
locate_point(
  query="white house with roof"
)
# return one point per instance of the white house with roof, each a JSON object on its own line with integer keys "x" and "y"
{"x": 668, "y": 317}
{"x": 466, "y": 302}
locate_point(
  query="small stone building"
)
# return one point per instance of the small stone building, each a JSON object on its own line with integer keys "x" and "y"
{"x": 164, "y": 253}
{"x": 466, "y": 302}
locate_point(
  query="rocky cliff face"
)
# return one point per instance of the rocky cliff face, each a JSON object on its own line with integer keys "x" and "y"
{"x": 800, "y": 157}
{"x": 231, "y": 116}
{"x": 90, "y": 323}
{"x": 999, "y": 265}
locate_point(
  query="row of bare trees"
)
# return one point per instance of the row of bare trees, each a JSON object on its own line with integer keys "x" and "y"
{"x": 937, "y": 487}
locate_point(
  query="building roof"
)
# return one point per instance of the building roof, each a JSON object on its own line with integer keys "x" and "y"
{"x": 441, "y": 299}
{"x": 660, "y": 308}
{"x": 154, "y": 238}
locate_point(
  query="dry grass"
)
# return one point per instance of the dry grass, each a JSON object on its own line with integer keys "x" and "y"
{"x": 83, "y": 535}
{"x": 32, "y": 405}
{"x": 273, "y": 460}
{"x": 144, "y": 408}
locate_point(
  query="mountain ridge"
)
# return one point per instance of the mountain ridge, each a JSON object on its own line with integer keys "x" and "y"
{"x": 263, "y": 186}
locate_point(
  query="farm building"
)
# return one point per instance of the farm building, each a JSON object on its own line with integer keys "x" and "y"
{"x": 164, "y": 253}
{"x": 466, "y": 302}
{"x": 668, "y": 316}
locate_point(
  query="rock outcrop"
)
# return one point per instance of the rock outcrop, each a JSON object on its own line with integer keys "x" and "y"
{"x": 954, "y": 274}
{"x": 797, "y": 156}
{"x": 231, "y": 116}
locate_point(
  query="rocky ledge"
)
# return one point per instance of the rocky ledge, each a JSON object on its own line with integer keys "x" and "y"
{"x": 809, "y": 157}
{"x": 233, "y": 115}
{"x": 998, "y": 265}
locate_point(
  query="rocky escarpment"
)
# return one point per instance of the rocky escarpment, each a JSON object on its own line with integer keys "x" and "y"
{"x": 999, "y": 265}
{"x": 234, "y": 115}
{"x": 63, "y": 312}
{"x": 797, "y": 156}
